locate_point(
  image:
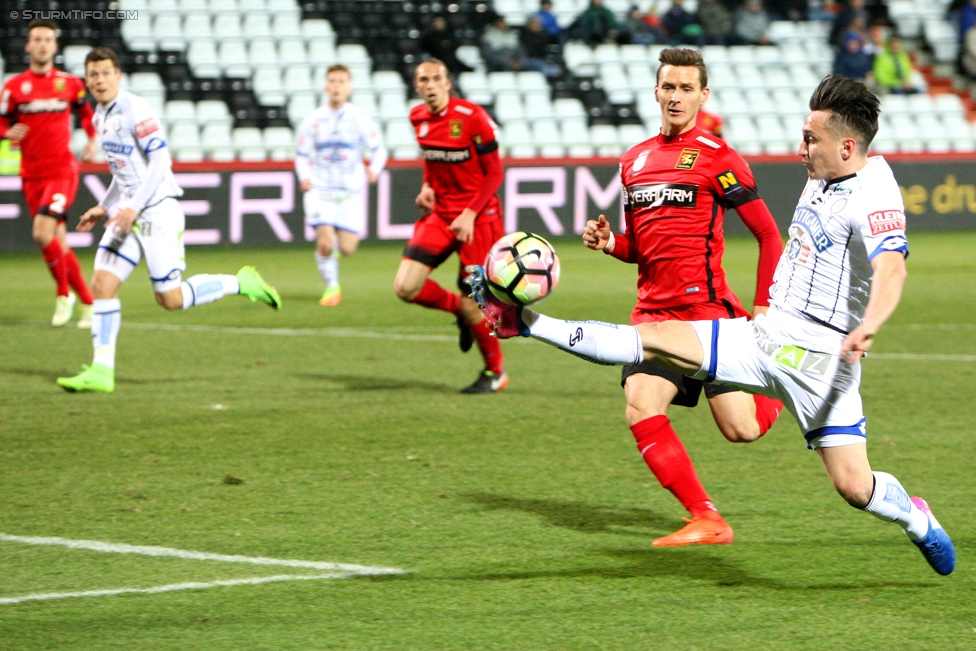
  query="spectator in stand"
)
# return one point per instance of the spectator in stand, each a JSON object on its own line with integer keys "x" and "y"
{"x": 439, "y": 43}
{"x": 535, "y": 44}
{"x": 548, "y": 19}
{"x": 716, "y": 23}
{"x": 893, "y": 69}
{"x": 969, "y": 53}
{"x": 681, "y": 26}
{"x": 752, "y": 24}
{"x": 500, "y": 47}
{"x": 641, "y": 28}
{"x": 853, "y": 10}
{"x": 710, "y": 122}
{"x": 787, "y": 9}
{"x": 596, "y": 25}
{"x": 853, "y": 60}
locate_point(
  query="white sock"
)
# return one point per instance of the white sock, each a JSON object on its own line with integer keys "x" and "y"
{"x": 207, "y": 288}
{"x": 890, "y": 502}
{"x": 106, "y": 321}
{"x": 595, "y": 341}
{"x": 329, "y": 268}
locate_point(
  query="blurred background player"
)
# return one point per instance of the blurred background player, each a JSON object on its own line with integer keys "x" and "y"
{"x": 39, "y": 102}
{"x": 144, "y": 219}
{"x": 462, "y": 173}
{"x": 677, "y": 187}
{"x": 329, "y": 163}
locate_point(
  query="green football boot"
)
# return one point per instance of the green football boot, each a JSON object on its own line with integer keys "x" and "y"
{"x": 255, "y": 288}
{"x": 96, "y": 377}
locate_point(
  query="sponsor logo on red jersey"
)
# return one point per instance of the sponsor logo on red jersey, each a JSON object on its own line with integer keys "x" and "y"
{"x": 43, "y": 106}
{"x": 730, "y": 184}
{"x": 886, "y": 220}
{"x": 686, "y": 160}
{"x": 146, "y": 127}
{"x": 444, "y": 155}
{"x": 655, "y": 195}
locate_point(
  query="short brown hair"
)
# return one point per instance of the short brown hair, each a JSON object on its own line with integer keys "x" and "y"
{"x": 683, "y": 57}
{"x": 337, "y": 67}
{"x": 40, "y": 22}
{"x": 853, "y": 108}
{"x": 102, "y": 54}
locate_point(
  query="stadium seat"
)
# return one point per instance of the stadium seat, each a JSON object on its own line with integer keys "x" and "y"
{"x": 242, "y": 137}
{"x": 297, "y": 78}
{"x": 168, "y": 31}
{"x": 287, "y": 25}
{"x": 227, "y": 25}
{"x": 633, "y": 53}
{"x": 291, "y": 50}
{"x": 392, "y": 104}
{"x": 523, "y": 150}
{"x": 514, "y": 133}
{"x": 568, "y": 108}
{"x": 531, "y": 81}
{"x": 508, "y": 106}
{"x": 545, "y": 132}
{"x": 502, "y": 81}
{"x": 279, "y": 142}
{"x": 352, "y": 54}
{"x": 183, "y": 135}
{"x": 201, "y": 54}
{"x": 471, "y": 56}
{"x": 196, "y": 24}
{"x": 302, "y": 103}
{"x": 262, "y": 52}
{"x": 632, "y": 134}
{"x": 211, "y": 112}
{"x": 180, "y": 110}
{"x": 537, "y": 104}
{"x": 400, "y": 133}
{"x": 232, "y": 54}
{"x": 573, "y": 131}
{"x": 256, "y": 24}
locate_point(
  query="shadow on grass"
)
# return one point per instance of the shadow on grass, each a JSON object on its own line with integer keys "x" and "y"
{"x": 362, "y": 383}
{"x": 32, "y": 372}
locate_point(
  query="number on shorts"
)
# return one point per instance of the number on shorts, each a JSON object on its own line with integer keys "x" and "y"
{"x": 57, "y": 205}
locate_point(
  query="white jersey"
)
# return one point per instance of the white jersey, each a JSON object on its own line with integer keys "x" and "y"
{"x": 331, "y": 148}
{"x": 130, "y": 132}
{"x": 824, "y": 276}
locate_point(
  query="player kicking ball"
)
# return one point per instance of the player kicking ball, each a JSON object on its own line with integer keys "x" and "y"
{"x": 839, "y": 279}
{"x": 144, "y": 218}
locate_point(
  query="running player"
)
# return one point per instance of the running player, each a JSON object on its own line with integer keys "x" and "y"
{"x": 329, "y": 163}
{"x": 144, "y": 218}
{"x": 39, "y": 102}
{"x": 677, "y": 187}
{"x": 838, "y": 281}
{"x": 462, "y": 173}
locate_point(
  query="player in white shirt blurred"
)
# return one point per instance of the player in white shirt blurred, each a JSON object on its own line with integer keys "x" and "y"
{"x": 332, "y": 142}
{"x": 839, "y": 279}
{"x": 144, "y": 220}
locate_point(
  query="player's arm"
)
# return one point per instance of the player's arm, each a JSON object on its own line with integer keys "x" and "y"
{"x": 486, "y": 148}
{"x": 85, "y": 112}
{"x": 373, "y": 142}
{"x": 757, "y": 218}
{"x": 152, "y": 141}
{"x": 8, "y": 113}
{"x": 886, "y": 287}
{"x": 624, "y": 247}
{"x": 303, "y": 153}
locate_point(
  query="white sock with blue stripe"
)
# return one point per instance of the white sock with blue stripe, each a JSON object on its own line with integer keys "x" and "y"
{"x": 328, "y": 268}
{"x": 594, "y": 341}
{"x": 207, "y": 288}
{"x": 105, "y": 324}
{"x": 890, "y": 502}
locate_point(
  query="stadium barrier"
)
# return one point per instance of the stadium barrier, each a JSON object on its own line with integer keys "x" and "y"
{"x": 260, "y": 203}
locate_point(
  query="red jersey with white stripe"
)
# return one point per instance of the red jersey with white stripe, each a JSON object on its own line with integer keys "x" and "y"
{"x": 452, "y": 142}
{"x": 44, "y": 103}
{"x": 676, "y": 192}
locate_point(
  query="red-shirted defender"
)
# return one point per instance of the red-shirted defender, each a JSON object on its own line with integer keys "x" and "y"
{"x": 462, "y": 173}
{"x": 677, "y": 187}
{"x": 39, "y": 102}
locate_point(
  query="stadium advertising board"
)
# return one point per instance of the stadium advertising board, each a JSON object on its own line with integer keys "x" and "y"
{"x": 261, "y": 204}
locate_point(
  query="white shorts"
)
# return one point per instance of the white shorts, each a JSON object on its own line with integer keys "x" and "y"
{"x": 819, "y": 389}
{"x": 343, "y": 211}
{"x": 157, "y": 234}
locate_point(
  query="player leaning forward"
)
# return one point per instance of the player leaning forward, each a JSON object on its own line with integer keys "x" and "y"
{"x": 838, "y": 281}
{"x": 144, "y": 219}
{"x": 329, "y": 164}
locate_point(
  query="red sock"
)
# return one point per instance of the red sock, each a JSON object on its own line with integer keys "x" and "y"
{"x": 667, "y": 458}
{"x": 490, "y": 347}
{"x": 434, "y": 296}
{"x": 767, "y": 411}
{"x": 54, "y": 257}
{"x": 76, "y": 279}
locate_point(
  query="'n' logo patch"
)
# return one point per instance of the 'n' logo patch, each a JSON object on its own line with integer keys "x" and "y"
{"x": 455, "y": 128}
{"x": 686, "y": 160}
{"x": 730, "y": 184}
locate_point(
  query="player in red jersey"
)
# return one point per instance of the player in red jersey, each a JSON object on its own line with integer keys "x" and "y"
{"x": 35, "y": 110}
{"x": 462, "y": 173}
{"x": 677, "y": 187}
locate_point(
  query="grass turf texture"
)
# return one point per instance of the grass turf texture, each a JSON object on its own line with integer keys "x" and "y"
{"x": 524, "y": 519}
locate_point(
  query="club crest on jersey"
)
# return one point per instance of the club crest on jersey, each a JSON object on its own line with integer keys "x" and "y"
{"x": 115, "y": 123}
{"x": 639, "y": 163}
{"x": 26, "y": 88}
{"x": 423, "y": 129}
{"x": 454, "y": 128}
{"x": 58, "y": 84}
{"x": 730, "y": 184}
{"x": 809, "y": 221}
{"x": 686, "y": 160}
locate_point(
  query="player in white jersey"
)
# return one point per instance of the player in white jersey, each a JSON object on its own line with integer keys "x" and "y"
{"x": 838, "y": 281}
{"x": 331, "y": 143}
{"x": 144, "y": 219}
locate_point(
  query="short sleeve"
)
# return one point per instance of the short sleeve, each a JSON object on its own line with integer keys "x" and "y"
{"x": 883, "y": 229}
{"x": 79, "y": 92}
{"x": 7, "y": 105}
{"x": 733, "y": 180}
{"x": 148, "y": 129}
{"x": 306, "y": 144}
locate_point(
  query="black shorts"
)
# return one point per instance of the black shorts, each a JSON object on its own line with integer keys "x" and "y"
{"x": 689, "y": 389}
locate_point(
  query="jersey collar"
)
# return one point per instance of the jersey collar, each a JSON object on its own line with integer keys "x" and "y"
{"x": 839, "y": 179}
{"x": 691, "y": 134}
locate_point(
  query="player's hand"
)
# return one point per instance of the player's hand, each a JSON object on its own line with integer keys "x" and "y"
{"x": 372, "y": 176}
{"x": 17, "y": 132}
{"x": 306, "y": 185}
{"x": 856, "y": 344}
{"x": 123, "y": 221}
{"x": 425, "y": 200}
{"x": 90, "y": 150}
{"x": 596, "y": 234}
{"x": 463, "y": 226}
{"x": 90, "y": 218}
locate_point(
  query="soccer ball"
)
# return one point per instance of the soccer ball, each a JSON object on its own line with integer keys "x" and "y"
{"x": 521, "y": 268}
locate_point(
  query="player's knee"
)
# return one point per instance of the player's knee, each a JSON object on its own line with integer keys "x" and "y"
{"x": 100, "y": 287}
{"x": 405, "y": 291}
{"x": 854, "y": 492}
{"x": 347, "y": 249}
{"x": 740, "y": 432}
{"x": 636, "y": 413}
{"x": 324, "y": 249}
{"x": 42, "y": 236}
{"x": 170, "y": 301}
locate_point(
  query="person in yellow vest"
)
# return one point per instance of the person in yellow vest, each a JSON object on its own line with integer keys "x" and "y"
{"x": 893, "y": 69}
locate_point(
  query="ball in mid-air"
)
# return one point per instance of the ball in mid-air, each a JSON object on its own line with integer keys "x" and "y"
{"x": 521, "y": 268}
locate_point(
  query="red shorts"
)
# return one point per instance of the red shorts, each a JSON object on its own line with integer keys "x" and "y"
{"x": 727, "y": 307}
{"x": 432, "y": 243}
{"x": 50, "y": 195}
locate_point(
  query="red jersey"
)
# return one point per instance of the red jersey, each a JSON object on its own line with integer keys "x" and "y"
{"x": 710, "y": 122}
{"x": 676, "y": 191}
{"x": 453, "y": 143}
{"x": 44, "y": 103}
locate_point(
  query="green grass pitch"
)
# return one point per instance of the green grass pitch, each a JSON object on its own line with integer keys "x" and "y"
{"x": 523, "y": 520}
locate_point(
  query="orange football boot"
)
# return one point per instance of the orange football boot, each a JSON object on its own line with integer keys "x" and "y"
{"x": 698, "y": 531}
